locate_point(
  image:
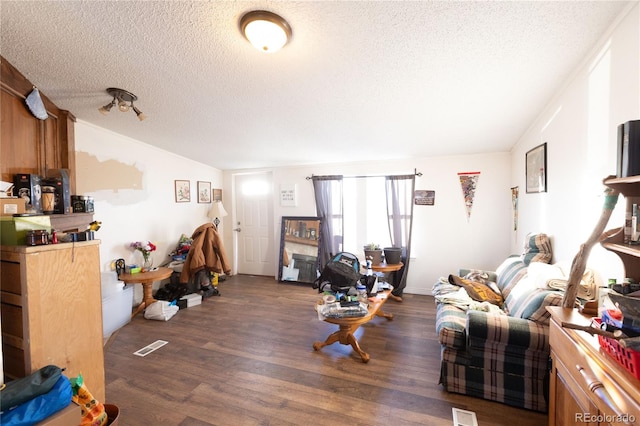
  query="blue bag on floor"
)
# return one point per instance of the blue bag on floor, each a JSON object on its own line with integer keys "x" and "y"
{"x": 40, "y": 407}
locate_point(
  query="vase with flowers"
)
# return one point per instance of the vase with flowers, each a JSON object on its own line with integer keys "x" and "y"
{"x": 145, "y": 247}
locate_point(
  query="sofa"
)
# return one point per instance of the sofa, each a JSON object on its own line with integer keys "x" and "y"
{"x": 499, "y": 351}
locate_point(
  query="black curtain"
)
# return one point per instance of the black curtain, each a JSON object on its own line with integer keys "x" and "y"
{"x": 399, "y": 190}
{"x": 328, "y": 194}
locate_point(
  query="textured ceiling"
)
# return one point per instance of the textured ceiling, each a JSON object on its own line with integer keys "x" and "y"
{"x": 358, "y": 81}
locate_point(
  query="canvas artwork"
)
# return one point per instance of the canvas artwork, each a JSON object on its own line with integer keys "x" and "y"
{"x": 536, "y": 169}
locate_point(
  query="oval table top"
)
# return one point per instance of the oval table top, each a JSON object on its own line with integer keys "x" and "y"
{"x": 383, "y": 267}
{"x": 159, "y": 274}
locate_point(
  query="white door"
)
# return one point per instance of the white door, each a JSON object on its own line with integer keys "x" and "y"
{"x": 254, "y": 224}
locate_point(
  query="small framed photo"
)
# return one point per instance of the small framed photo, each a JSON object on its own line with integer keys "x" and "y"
{"x": 204, "y": 192}
{"x": 288, "y": 195}
{"x": 536, "y": 169}
{"x": 424, "y": 198}
{"x": 183, "y": 191}
{"x": 217, "y": 195}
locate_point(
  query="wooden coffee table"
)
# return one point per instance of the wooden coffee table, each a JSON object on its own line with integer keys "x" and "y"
{"x": 349, "y": 325}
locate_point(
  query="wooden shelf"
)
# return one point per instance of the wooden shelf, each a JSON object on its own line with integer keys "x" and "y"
{"x": 72, "y": 222}
{"x": 627, "y": 186}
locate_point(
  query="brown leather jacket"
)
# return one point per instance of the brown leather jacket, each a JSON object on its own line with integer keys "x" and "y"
{"x": 207, "y": 252}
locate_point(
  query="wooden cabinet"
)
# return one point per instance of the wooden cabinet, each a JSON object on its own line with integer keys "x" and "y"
{"x": 587, "y": 386}
{"x": 52, "y": 311}
{"x": 28, "y": 144}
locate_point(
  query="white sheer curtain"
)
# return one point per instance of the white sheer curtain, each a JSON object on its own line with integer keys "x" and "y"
{"x": 399, "y": 190}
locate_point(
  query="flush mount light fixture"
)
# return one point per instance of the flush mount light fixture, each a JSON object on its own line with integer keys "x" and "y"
{"x": 266, "y": 31}
{"x": 124, "y": 100}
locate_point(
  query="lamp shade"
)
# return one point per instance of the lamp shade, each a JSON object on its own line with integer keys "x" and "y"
{"x": 217, "y": 210}
{"x": 266, "y": 31}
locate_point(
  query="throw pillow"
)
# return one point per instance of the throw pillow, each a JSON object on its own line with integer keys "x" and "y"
{"x": 532, "y": 306}
{"x": 476, "y": 290}
{"x": 510, "y": 272}
{"x": 537, "y": 248}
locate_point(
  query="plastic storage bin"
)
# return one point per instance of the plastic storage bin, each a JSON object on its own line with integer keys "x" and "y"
{"x": 114, "y": 303}
{"x": 116, "y": 310}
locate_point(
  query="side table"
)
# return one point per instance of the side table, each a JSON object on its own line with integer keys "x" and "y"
{"x": 146, "y": 279}
{"x": 392, "y": 268}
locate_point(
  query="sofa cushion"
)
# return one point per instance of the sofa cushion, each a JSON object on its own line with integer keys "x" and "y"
{"x": 510, "y": 272}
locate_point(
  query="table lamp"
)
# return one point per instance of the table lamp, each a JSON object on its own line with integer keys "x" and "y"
{"x": 216, "y": 212}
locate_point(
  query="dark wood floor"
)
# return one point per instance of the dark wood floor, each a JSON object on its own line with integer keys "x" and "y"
{"x": 246, "y": 358}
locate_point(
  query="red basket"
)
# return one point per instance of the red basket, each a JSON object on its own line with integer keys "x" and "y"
{"x": 628, "y": 358}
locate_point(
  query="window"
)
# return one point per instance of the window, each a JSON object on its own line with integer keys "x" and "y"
{"x": 365, "y": 214}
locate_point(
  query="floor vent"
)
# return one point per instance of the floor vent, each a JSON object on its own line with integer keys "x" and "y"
{"x": 150, "y": 348}
{"x": 464, "y": 418}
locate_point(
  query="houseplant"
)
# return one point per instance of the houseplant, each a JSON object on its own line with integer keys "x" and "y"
{"x": 145, "y": 248}
{"x": 373, "y": 252}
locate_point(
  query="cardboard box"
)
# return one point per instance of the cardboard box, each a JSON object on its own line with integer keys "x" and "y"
{"x": 13, "y": 229}
{"x": 71, "y": 415}
{"x": 192, "y": 299}
{"x": 12, "y": 205}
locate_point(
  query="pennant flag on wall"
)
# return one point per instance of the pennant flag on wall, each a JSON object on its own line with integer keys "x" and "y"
{"x": 468, "y": 183}
{"x": 514, "y": 202}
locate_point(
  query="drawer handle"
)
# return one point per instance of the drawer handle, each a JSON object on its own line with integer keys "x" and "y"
{"x": 597, "y": 388}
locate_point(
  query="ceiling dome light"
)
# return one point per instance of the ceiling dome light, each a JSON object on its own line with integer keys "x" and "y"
{"x": 266, "y": 31}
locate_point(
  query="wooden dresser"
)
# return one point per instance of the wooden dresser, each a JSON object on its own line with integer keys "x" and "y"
{"x": 587, "y": 386}
{"x": 52, "y": 311}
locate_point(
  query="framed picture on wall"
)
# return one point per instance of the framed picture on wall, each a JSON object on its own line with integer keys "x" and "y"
{"x": 183, "y": 191}
{"x": 536, "y": 169}
{"x": 217, "y": 195}
{"x": 204, "y": 192}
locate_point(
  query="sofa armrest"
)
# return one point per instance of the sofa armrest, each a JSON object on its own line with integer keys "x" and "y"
{"x": 450, "y": 326}
{"x": 483, "y": 327}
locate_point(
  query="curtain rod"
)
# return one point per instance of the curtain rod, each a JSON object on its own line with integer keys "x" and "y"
{"x": 415, "y": 172}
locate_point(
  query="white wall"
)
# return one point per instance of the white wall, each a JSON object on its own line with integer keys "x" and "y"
{"x": 443, "y": 239}
{"x": 579, "y": 125}
{"x": 133, "y": 187}
{"x": 133, "y": 182}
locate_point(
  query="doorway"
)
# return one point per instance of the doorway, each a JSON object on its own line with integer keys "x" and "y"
{"x": 253, "y": 228}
